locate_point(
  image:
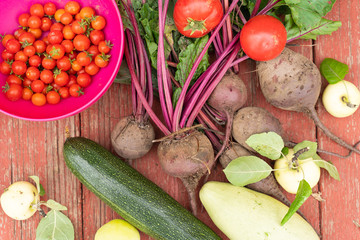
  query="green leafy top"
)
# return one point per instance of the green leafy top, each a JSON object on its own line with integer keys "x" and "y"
{"x": 333, "y": 71}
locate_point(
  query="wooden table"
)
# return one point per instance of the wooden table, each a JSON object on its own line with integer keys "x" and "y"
{"x": 35, "y": 148}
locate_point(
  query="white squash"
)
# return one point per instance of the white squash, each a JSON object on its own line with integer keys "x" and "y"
{"x": 244, "y": 214}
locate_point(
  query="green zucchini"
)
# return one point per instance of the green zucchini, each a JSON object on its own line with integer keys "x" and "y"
{"x": 135, "y": 198}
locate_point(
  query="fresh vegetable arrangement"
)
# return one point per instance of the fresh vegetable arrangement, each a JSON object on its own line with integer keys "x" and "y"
{"x": 54, "y": 54}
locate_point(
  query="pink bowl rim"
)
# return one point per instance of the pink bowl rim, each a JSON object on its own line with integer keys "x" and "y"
{"x": 99, "y": 95}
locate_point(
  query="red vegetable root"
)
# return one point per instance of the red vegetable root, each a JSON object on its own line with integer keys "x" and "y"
{"x": 293, "y": 82}
{"x": 253, "y": 120}
{"x": 228, "y": 97}
{"x": 132, "y": 139}
{"x": 187, "y": 156}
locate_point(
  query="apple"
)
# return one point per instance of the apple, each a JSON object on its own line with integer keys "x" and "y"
{"x": 341, "y": 99}
{"x": 117, "y": 229}
{"x": 19, "y": 201}
{"x": 289, "y": 174}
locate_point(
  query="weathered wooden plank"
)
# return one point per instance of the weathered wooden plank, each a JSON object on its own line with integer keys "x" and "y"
{"x": 341, "y": 207}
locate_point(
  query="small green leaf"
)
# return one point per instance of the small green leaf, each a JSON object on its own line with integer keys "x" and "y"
{"x": 304, "y": 191}
{"x": 285, "y": 151}
{"x": 55, "y": 205}
{"x": 308, "y": 154}
{"x": 333, "y": 70}
{"x": 328, "y": 166}
{"x": 267, "y": 144}
{"x": 42, "y": 190}
{"x": 245, "y": 170}
{"x": 55, "y": 226}
{"x": 175, "y": 96}
{"x": 36, "y": 179}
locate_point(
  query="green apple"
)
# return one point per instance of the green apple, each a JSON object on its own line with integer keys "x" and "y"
{"x": 341, "y": 99}
{"x": 117, "y": 229}
{"x": 289, "y": 174}
{"x": 19, "y": 201}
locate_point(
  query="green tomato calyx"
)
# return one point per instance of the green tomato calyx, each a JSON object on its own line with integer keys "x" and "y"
{"x": 195, "y": 25}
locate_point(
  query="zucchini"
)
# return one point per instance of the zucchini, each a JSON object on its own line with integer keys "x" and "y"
{"x": 135, "y": 198}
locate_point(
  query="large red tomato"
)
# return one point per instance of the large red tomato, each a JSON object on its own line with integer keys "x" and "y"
{"x": 263, "y": 38}
{"x": 196, "y": 18}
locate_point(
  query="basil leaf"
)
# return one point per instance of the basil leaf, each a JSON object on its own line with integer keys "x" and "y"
{"x": 55, "y": 226}
{"x": 245, "y": 170}
{"x": 304, "y": 192}
{"x": 333, "y": 71}
{"x": 267, "y": 144}
{"x": 328, "y": 166}
{"x": 308, "y": 154}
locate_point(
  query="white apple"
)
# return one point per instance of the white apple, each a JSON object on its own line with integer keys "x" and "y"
{"x": 341, "y": 99}
{"x": 19, "y": 201}
{"x": 289, "y": 174}
{"x": 117, "y": 229}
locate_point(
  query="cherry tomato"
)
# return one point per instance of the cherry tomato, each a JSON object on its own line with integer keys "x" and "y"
{"x": 6, "y": 38}
{"x": 105, "y": 46}
{"x": 46, "y": 24}
{"x": 35, "y": 61}
{"x": 36, "y": 32}
{"x": 55, "y": 86}
{"x": 13, "y": 46}
{"x": 47, "y": 76}
{"x": 196, "y": 18}
{"x": 64, "y": 92}
{"x": 87, "y": 12}
{"x": 263, "y": 37}
{"x": 26, "y": 83}
{"x": 40, "y": 46}
{"x": 49, "y": 48}
{"x": 64, "y": 63}
{"x": 34, "y": 22}
{"x": 56, "y": 27}
{"x": 33, "y": 73}
{"x": 20, "y": 56}
{"x": 72, "y": 55}
{"x": 23, "y": 19}
{"x": 13, "y": 92}
{"x": 76, "y": 66}
{"x": 55, "y": 37}
{"x": 5, "y": 68}
{"x": 72, "y": 80}
{"x": 61, "y": 79}
{"x": 18, "y": 67}
{"x": 96, "y": 36}
{"x": 78, "y": 16}
{"x": 79, "y": 27}
{"x": 49, "y": 8}
{"x": 29, "y": 51}
{"x": 13, "y": 79}
{"x": 66, "y": 18}
{"x": 38, "y": 99}
{"x": 37, "y": 10}
{"x": 57, "y": 51}
{"x": 92, "y": 69}
{"x": 18, "y": 33}
{"x": 68, "y": 45}
{"x": 93, "y": 50}
{"x": 83, "y": 79}
{"x": 27, "y": 93}
{"x": 81, "y": 42}
{"x": 48, "y": 63}
{"x": 27, "y": 37}
{"x": 84, "y": 58}
{"x": 7, "y": 56}
{"x": 72, "y": 7}
{"x": 75, "y": 90}
{"x": 68, "y": 33}
{"x": 98, "y": 23}
{"x": 46, "y": 40}
{"x": 37, "y": 86}
{"x": 52, "y": 97}
{"x": 58, "y": 14}
{"x": 102, "y": 60}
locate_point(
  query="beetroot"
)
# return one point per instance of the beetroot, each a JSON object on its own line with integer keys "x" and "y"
{"x": 293, "y": 82}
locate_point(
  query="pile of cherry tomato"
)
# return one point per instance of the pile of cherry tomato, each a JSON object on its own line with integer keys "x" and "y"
{"x": 47, "y": 68}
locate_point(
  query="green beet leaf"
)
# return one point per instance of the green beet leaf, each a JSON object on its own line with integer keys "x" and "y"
{"x": 267, "y": 144}
{"x": 55, "y": 226}
{"x": 307, "y": 16}
{"x": 246, "y": 170}
{"x": 333, "y": 71}
{"x": 304, "y": 191}
{"x": 328, "y": 166}
{"x": 309, "y": 153}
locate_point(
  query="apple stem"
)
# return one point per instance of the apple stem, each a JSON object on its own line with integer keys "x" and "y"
{"x": 299, "y": 152}
{"x": 349, "y": 104}
{"x": 41, "y": 211}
